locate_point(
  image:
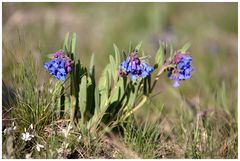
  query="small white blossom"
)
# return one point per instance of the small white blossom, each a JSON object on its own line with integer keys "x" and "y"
{"x": 27, "y": 136}
{"x": 39, "y": 146}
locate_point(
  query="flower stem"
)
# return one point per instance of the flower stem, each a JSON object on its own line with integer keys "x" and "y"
{"x": 161, "y": 70}
{"x": 144, "y": 99}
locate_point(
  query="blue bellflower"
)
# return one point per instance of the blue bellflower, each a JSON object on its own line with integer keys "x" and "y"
{"x": 182, "y": 70}
{"x": 56, "y": 67}
{"x": 133, "y": 66}
{"x": 59, "y": 66}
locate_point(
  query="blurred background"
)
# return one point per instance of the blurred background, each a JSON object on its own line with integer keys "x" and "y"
{"x": 40, "y": 28}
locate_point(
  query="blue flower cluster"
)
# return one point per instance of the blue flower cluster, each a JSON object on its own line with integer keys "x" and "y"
{"x": 132, "y": 65}
{"x": 59, "y": 66}
{"x": 182, "y": 70}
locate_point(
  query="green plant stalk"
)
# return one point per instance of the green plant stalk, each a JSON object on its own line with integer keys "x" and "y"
{"x": 144, "y": 99}
{"x": 161, "y": 70}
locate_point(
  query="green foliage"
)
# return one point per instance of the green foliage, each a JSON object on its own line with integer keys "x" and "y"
{"x": 102, "y": 102}
{"x": 99, "y": 106}
{"x": 113, "y": 99}
{"x": 159, "y": 59}
{"x": 185, "y": 48}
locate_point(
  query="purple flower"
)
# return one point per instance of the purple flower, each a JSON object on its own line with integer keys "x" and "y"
{"x": 133, "y": 66}
{"x": 59, "y": 66}
{"x": 182, "y": 70}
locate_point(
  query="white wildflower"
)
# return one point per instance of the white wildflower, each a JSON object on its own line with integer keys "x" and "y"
{"x": 27, "y": 136}
{"x": 39, "y": 146}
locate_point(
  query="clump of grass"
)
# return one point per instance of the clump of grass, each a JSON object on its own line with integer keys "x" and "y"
{"x": 34, "y": 103}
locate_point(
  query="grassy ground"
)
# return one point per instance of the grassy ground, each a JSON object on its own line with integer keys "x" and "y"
{"x": 198, "y": 120}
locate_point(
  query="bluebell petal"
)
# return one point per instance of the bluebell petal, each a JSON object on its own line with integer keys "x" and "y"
{"x": 181, "y": 65}
{"x": 176, "y": 84}
{"x": 187, "y": 76}
{"x": 144, "y": 74}
{"x": 133, "y": 77}
{"x": 181, "y": 77}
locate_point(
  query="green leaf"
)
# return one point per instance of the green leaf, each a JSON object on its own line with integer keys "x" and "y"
{"x": 101, "y": 82}
{"x": 97, "y": 101}
{"x": 113, "y": 67}
{"x": 73, "y": 45}
{"x": 139, "y": 46}
{"x": 159, "y": 59}
{"x": 83, "y": 95}
{"x": 117, "y": 55}
{"x": 107, "y": 84}
{"x": 90, "y": 98}
{"x": 65, "y": 44}
{"x": 92, "y": 66}
{"x": 185, "y": 47}
{"x": 104, "y": 86}
{"x": 121, "y": 86}
{"x": 115, "y": 93}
